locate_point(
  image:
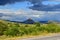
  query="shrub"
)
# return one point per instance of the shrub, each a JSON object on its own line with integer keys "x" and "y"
{"x": 26, "y": 25}
{"x": 16, "y": 29}
{"x": 3, "y": 27}
{"x": 37, "y": 24}
{"x": 13, "y": 31}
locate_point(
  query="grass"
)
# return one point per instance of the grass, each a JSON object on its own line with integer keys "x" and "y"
{"x": 12, "y": 30}
{"x": 27, "y": 36}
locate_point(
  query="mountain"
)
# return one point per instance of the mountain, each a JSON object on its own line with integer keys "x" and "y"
{"x": 29, "y": 21}
{"x": 43, "y": 21}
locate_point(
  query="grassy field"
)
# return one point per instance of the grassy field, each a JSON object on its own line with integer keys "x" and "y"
{"x": 11, "y": 29}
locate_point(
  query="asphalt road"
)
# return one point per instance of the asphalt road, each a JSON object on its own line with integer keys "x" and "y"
{"x": 55, "y": 37}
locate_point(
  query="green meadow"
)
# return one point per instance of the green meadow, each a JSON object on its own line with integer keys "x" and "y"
{"x": 12, "y": 29}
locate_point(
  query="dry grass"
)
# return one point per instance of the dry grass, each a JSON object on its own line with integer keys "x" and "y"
{"x": 27, "y": 36}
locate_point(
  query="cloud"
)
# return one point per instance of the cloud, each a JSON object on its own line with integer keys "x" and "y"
{"x": 38, "y": 10}
{"x": 6, "y": 11}
{"x": 34, "y": 14}
{"x": 20, "y": 14}
{"x": 4, "y": 2}
{"x": 41, "y": 7}
{"x": 5, "y": 17}
{"x": 37, "y": 4}
{"x": 46, "y": 7}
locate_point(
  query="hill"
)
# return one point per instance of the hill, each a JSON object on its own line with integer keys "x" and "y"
{"x": 19, "y": 29}
{"x": 29, "y": 21}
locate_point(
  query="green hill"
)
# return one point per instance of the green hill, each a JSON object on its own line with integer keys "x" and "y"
{"x": 18, "y": 29}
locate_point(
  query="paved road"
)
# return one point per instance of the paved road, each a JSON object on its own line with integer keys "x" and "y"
{"x": 56, "y": 37}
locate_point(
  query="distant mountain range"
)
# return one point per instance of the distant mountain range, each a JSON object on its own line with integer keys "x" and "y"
{"x": 28, "y": 21}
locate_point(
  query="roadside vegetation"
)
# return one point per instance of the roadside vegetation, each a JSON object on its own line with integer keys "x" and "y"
{"x": 18, "y": 29}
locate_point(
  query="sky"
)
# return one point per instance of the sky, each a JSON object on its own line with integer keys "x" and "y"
{"x": 16, "y": 6}
{"x": 38, "y": 10}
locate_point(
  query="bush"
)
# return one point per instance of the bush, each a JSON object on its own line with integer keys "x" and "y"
{"x": 13, "y": 31}
{"x": 26, "y": 25}
{"x": 3, "y": 27}
{"x": 16, "y": 29}
{"x": 37, "y": 24}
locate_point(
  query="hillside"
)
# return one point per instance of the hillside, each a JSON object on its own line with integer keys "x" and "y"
{"x": 19, "y": 29}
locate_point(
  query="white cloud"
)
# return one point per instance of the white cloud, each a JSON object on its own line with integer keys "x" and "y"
{"x": 31, "y": 13}
{"x": 5, "y": 11}
{"x": 5, "y": 17}
{"x": 19, "y": 14}
{"x": 31, "y": 16}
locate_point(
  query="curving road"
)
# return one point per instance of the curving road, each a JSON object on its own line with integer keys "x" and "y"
{"x": 56, "y": 37}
